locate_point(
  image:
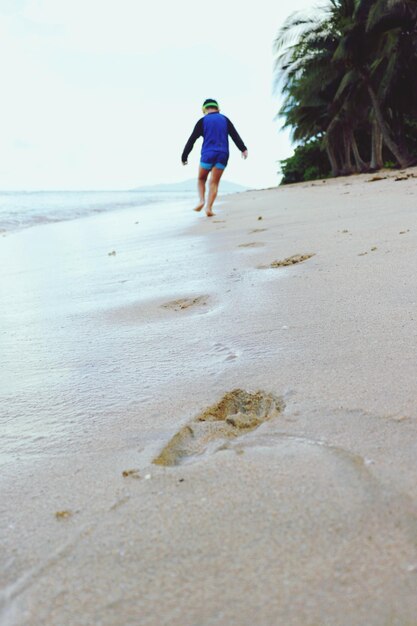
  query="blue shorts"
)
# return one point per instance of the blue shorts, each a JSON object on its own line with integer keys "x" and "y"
{"x": 214, "y": 159}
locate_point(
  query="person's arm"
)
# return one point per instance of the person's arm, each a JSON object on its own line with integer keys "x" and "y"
{"x": 236, "y": 137}
{"x": 197, "y": 132}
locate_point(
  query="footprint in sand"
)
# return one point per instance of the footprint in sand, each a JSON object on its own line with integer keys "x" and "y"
{"x": 375, "y": 179}
{"x": 252, "y": 244}
{"x": 373, "y": 249}
{"x": 237, "y": 413}
{"x": 291, "y": 260}
{"x": 223, "y": 352}
{"x": 185, "y": 303}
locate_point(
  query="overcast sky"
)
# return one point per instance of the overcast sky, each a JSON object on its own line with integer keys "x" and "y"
{"x": 103, "y": 94}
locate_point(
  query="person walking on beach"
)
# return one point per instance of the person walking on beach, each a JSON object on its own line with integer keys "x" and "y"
{"x": 215, "y": 129}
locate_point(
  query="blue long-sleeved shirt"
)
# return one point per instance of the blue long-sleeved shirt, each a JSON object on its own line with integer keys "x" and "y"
{"x": 215, "y": 129}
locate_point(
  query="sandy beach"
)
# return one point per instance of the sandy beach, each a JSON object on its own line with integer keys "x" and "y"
{"x": 214, "y": 421}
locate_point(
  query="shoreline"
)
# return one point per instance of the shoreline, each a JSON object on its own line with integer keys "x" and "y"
{"x": 310, "y": 517}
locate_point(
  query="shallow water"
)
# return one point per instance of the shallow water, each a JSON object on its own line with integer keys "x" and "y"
{"x": 64, "y": 363}
{"x": 24, "y": 209}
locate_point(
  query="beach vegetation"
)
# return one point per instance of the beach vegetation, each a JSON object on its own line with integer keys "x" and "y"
{"x": 309, "y": 162}
{"x": 347, "y": 75}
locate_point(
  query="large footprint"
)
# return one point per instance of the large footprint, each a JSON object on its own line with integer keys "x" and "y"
{"x": 185, "y": 303}
{"x": 291, "y": 260}
{"x": 252, "y": 244}
{"x": 237, "y": 413}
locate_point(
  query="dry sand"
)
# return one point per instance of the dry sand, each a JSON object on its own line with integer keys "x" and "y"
{"x": 279, "y": 399}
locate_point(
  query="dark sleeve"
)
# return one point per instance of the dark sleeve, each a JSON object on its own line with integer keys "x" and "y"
{"x": 197, "y": 132}
{"x": 235, "y": 136}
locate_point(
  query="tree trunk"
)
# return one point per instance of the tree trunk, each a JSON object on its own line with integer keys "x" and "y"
{"x": 347, "y": 167}
{"x": 400, "y": 137}
{"x": 332, "y": 158}
{"x": 361, "y": 166}
{"x": 332, "y": 147}
{"x": 377, "y": 162}
{"x": 402, "y": 156}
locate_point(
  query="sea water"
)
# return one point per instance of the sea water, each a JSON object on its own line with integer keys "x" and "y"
{"x": 66, "y": 259}
{"x": 24, "y": 209}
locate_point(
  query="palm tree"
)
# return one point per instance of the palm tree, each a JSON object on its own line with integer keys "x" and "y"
{"x": 365, "y": 50}
{"x": 395, "y": 22}
{"x": 350, "y": 70}
{"x": 307, "y": 75}
{"x": 311, "y": 84}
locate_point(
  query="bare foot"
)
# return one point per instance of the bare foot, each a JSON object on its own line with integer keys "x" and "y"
{"x": 199, "y": 206}
{"x": 210, "y": 213}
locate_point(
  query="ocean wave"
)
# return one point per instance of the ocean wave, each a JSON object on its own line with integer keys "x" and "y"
{"x": 25, "y": 209}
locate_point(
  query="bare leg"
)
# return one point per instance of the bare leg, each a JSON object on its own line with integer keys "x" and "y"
{"x": 215, "y": 177}
{"x": 201, "y": 184}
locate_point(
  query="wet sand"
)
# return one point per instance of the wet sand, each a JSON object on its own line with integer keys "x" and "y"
{"x": 266, "y": 361}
